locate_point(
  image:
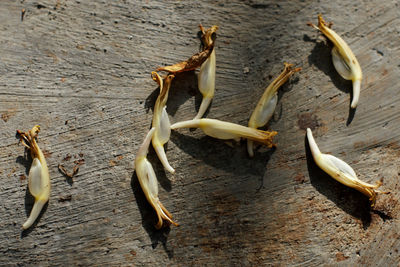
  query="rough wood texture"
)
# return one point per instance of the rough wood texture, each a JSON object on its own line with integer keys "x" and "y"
{"x": 81, "y": 69}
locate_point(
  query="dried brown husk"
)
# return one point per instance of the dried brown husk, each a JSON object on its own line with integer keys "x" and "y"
{"x": 208, "y": 37}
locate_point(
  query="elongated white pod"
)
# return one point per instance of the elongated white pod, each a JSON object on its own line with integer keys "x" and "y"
{"x": 343, "y": 59}
{"x": 161, "y": 121}
{"x": 39, "y": 179}
{"x": 148, "y": 181}
{"x": 341, "y": 171}
{"x": 206, "y": 83}
{"x": 227, "y": 130}
{"x": 266, "y": 105}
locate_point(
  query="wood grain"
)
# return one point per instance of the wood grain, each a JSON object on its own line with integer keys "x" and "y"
{"x": 81, "y": 69}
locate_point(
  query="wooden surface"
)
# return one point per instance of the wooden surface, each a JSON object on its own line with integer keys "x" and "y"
{"x": 81, "y": 69}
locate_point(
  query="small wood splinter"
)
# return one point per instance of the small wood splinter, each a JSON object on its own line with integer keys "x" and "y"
{"x": 341, "y": 171}
{"x": 266, "y": 105}
{"x": 148, "y": 181}
{"x": 343, "y": 58}
{"x": 39, "y": 179}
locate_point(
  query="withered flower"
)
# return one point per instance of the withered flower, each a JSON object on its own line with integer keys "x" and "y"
{"x": 343, "y": 58}
{"x": 39, "y": 179}
{"x": 160, "y": 119}
{"x": 227, "y": 130}
{"x": 266, "y": 105}
{"x": 148, "y": 181}
{"x": 341, "y": 171}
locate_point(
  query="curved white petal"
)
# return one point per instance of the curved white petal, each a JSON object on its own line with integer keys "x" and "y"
{"x": 163, "y": 158}
{"x": 356, "y": 93}
{"x": 219, "y": 131}
{"x": 340, "y": 65}
{"x": 195, "y": 123}
{"x": 265, "y": 114}
{"x": 313, "y": 145}
{"x": 145, "y": 145}
{"x": 151, "y": 179}
{"x": 341, "y": 166}
{"x": 35, "y": 178}
{"x": 205, "y": 103}
{"x": 37, "y": 208}
{"x": 164, "y": 130}
{"x": 206, "y": 77}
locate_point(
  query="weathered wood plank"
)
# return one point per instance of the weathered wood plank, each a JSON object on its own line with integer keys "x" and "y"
{"x": 81, "y": 69}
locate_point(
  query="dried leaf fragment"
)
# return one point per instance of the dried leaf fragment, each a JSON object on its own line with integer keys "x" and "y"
{"x": 38, "y": 179}
{"x": 148, "y": 182}
{"x": 161, "y": 121}
{"x": 341, "y": 171}
{"x": 197, "y": 59}
{"x": 266, "y": 105}
{"x": 227, "y": 130}
{"x": 343, "y": 58}
{"x": 192, "y": 63}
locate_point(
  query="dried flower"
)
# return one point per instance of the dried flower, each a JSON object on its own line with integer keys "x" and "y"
{"x": 148, "y": 181}
{"x": 227, "y": 130}
{"x": 343, "y": 58}
{"x": 160, "y": 119}
{"x": 266, "y": 105}
{"x": 206, "y": 78}
{"x": 341, "y": 171}
{"x": 39, "y": 179}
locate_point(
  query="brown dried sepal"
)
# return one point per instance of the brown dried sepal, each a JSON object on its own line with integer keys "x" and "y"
{"x": 191, "y": 64}
{"x": 266, "y": 138}
{"x": 28, "y": 139}
{"x": 208, "y": 36}
{"x": 195, "y": 61}
{"x": 164, "y": 84}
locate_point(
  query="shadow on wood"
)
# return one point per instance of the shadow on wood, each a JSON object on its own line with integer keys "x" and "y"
{"x": 67, "y": 177}
{"x": 352, "y": 111}
{"x": 25, "y": 161}
{"x": 215, "y": 153}
{"x": 183, "y": 86}
{"x": 149, "y": 218}
{"x": 348, "y": 199}
{"x": 285, "y": 88}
